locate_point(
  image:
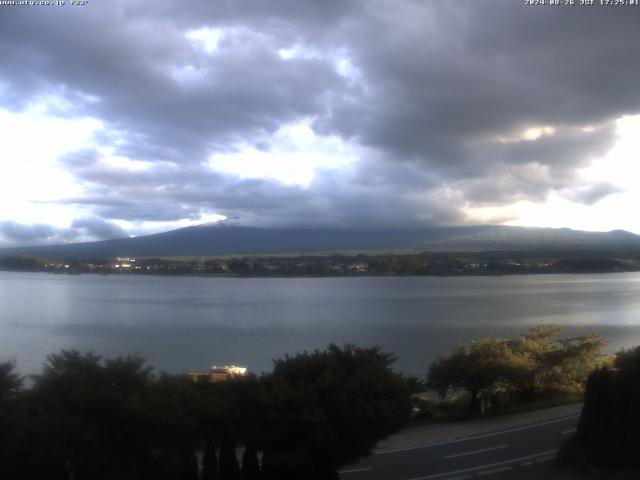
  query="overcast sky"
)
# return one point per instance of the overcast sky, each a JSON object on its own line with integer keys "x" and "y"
{"x": 124, "y": 118}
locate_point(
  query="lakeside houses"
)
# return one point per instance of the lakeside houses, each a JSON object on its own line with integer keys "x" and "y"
{"x": 332, "y": 265}
{"x": 217, "y": 374}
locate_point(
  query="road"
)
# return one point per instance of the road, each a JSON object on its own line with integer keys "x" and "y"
{"x": 524, "y": 451}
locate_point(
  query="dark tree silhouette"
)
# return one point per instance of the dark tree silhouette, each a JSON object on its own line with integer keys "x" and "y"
{"x": 10, "y": 383}
{"x": 90, "y": 418}
{"x": 188, "y": 466}
{"x": 209, "y": 460}
{"x": 329, "y": 408}
{"x": 11, "y": 423}
{"x": 250, "y": 464}
{"x": 229, "y": 468}
{"x": 91, "y": 415}
{"x": 610, "y": 420}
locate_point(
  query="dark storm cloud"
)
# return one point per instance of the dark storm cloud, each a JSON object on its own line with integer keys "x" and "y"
{"x": 16, "y": 232}
{"x": 439, "y": 92}
{"x": 128, "y": 74}
{"x": 360, "y": 195}
{"x": 590, "y": 194}
{"x": 81, "y": 229}
{"x": 462, "y": 71}
{"x": 97, "y": 228}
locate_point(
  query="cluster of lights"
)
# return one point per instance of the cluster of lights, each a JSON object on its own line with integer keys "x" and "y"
{"x": 231, "y": 369}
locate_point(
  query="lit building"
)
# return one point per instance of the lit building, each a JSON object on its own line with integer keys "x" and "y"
{"x": 217, "y": 374}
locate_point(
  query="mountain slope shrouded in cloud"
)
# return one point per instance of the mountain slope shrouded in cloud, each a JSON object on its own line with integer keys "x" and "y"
{"x": 216, "y": 240}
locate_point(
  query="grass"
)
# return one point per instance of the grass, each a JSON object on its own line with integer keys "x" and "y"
{"x": 456, "y": 408}
{"x": 540, "y": 403}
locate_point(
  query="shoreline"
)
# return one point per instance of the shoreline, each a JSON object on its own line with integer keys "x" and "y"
{"x": 307, "y": 275}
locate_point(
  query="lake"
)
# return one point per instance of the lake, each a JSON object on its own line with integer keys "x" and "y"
{"x": 188, "y": 323}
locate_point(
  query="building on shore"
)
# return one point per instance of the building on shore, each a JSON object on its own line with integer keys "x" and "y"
{"x": 216, "y": 374}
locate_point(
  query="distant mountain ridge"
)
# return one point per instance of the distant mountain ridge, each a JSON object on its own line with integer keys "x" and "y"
{"x": 225, "y": 240}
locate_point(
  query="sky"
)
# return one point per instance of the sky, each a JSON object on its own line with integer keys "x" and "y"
{"x": 126, "y": 118}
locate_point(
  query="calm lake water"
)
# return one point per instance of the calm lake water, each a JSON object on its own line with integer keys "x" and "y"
{"x": 187, "y": 323}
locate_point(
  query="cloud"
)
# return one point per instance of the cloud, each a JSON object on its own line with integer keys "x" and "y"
{"x": 97, "y": 228}
{"x": 593, "y": 193}
{"x": 81, "y": 230}
{"x": 14, "y": 232}
{"x": 442, "y": 106}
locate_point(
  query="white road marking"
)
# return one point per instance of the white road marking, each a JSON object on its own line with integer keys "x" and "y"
{"x": 526, "y": 464}
{"x": 355, "y": 470}
{"x": 566, "y": 432}
{"x": 476, "y": 451}
{"x": 482, "y": 467}
{"x": 495, "y": 470}
{"x": 485, "y": 435}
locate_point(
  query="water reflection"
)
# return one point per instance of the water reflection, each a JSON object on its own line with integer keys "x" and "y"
{"x": 182, "y": 323}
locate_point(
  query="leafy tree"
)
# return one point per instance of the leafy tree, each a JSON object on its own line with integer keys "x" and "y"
{"x": 231, "y": 411}
{"x": 539, "y": 361}
{"x": 329, "y": 408}
{"x": 11, "y": 428}
{"x": 10, "y": 383}
{"x": 628, "y": 361}
{"x": 91, "y": 415}
{"x": 241, "y": 403}
{"x": 555, "y": 363}
{"x": 480, "y": 368}
{"x": 173, "y": 404}
{"x": 538, "y": 347}
{"x": 608, "y": 428}
{"x": 580, "y": 356}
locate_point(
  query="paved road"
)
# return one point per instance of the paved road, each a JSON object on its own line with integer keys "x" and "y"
{"x": 523, "y": 451}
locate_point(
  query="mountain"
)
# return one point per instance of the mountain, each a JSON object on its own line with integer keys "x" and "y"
{"x": 224, "y": 239}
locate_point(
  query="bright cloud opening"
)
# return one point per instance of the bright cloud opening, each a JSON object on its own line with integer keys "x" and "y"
{"x": 123, "y": 163}
{"x": 31, "y": 174}
{"x": 619, "y": 168}
{"x": 527, "y": 135}
{"x": 150, "y": 227}
{"x": 293, "y": 156}
{"x": 206, "y": 38}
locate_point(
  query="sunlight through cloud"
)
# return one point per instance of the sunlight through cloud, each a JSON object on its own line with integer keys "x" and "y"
{"x": 293, "y": 156}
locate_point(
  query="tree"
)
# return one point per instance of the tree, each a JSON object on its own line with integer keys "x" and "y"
{"x": 541, "y": 352}
{"x": 329, "y": 408}
{"x": 250, "y": 464}
{"x": 10, "y": 383}
{"x": 230, "y": 411}
{"x": 173, "y": 404}
{"x": 628, "y": 361}
{"x": 415, "y": 385}
{"x": 608, "y": 429}
{"x": 556, "y": 364}
{"x": 209, "y": 460}
{"x": 187, "y": 465}
{"x": 480, "y": 368}
{"x": 538, "y": 361}
{"x": 229, "y": 467}
{"x": 91, "y": 415}
{"x": 11, "y": 428}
